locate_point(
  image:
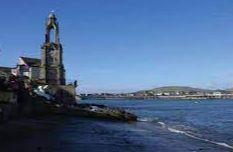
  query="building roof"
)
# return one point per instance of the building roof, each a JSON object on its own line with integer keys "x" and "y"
{"x": 31, "y": 61}
{"x": 6, "y": 70}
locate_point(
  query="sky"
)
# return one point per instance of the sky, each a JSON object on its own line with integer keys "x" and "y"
{"x": 127, "y": 45}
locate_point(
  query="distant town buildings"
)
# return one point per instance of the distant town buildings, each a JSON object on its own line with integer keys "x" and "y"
{"x": 179, "y": 93}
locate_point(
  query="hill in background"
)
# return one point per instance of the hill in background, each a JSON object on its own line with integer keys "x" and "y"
{"x": 183, "y": 89}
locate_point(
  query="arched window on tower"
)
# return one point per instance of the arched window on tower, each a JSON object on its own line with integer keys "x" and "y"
{"x": 52, "y": 35}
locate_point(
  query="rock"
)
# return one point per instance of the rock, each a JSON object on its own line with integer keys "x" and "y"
{"x": 96, "y": 111}
{"x": 110, "y": 113}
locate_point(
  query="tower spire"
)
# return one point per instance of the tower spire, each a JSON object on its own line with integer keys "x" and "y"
{"x": 52, "y": 24}
{"x": 52, "y": 69}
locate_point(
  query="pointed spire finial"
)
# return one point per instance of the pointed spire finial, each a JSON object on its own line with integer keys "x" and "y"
{"x": 51, "y": 14}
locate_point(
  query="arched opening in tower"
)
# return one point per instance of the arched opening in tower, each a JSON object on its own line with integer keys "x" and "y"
{"x": 52, "y": 35}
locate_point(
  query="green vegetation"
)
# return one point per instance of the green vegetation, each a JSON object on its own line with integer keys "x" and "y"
{"x": 181, "y": 89}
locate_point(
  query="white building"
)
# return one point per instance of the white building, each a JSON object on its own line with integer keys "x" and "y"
{"x": 217, "y": 94}
{"x": 29, "y": 67}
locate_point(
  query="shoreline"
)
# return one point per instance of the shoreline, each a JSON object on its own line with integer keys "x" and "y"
{"x": 62, "y": 134}
{"x": 158, "y": 98}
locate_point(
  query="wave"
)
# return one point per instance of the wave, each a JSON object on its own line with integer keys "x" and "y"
{"x": 162, "y": 124}
{"x": 186, "y": 133}
{"x": 147, "y": 119}
{"x": 199, "y": 138}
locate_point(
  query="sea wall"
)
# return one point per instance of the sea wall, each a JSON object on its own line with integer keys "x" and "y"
{"x": 63, "y": 93}
{"x": 8, "y": 97}
{"x": 8, "y": 111}
{"x": 8, "y": 105}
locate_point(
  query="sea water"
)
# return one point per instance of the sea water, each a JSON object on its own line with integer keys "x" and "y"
{"x": 195, "y": 125}
{"x": 162, "y": 126}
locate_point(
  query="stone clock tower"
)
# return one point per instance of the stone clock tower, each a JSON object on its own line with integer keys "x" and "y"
{"x": 52, "y": 70}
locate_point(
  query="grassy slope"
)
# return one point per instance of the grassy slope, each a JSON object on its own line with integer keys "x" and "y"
{"x": 175, "y": 89}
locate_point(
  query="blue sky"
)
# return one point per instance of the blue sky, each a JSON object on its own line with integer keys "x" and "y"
{"x": 127, "y": 45}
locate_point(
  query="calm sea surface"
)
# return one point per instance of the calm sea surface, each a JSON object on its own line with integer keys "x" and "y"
{"x": 163, "y": 125}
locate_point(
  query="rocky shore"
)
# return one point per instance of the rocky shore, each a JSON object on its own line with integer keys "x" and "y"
{"x": 20, "y": 97}
{"x": 41, "y": 107}
{"x": 95, "y": 111}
